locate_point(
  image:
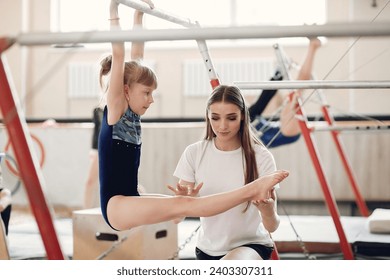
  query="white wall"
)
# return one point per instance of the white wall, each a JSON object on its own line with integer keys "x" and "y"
{"x": 67, "y": 148}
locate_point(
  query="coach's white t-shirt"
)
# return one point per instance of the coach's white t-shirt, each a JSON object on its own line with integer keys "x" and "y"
{"x": 222, "y": 171}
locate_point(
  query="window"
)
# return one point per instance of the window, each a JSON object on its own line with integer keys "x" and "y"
{"x": 87, "y": 15}
{"x": 76, "y": 15}
{"x": 280, "y": 12}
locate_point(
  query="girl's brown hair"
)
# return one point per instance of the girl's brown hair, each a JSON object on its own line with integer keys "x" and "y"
{"x": 134, "y": 72}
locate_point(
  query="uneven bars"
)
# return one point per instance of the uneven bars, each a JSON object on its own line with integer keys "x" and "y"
{"x": 312, "y": 84}
{"x": 208, "y": 33}
{"x": 142, "y": 6}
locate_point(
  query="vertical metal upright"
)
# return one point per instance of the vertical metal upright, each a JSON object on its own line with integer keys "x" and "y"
{"x": 28, "y": 167}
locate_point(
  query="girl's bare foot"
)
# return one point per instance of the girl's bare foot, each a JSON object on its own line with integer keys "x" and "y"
{"x": 289, "y": 125}
{"x": 265, "y": 184}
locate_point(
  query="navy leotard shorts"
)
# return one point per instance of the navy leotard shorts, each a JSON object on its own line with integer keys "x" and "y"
{"x": 118, "y": 166}
{"x": 269, "y": 130}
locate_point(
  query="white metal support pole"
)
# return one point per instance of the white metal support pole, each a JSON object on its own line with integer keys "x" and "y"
{"x": 203, "y": 49}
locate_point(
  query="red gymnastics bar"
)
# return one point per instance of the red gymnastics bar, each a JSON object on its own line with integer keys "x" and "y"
{"x": 348, "y": 169}
{"x": 28, "y": 168}
{"x": 327, "y": 191}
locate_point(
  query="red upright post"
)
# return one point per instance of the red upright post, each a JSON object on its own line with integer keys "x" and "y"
{"x": 330, "y": 200}
{"x": 275, "y": 253}
{"x": 355, "y": 188}
{"x": 20, "y": 140}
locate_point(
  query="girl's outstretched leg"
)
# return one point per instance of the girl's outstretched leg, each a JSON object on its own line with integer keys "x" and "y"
{"x": 125, "y": 212}
{"x": 211, "y": 205}
{"x": 289, "y": 124}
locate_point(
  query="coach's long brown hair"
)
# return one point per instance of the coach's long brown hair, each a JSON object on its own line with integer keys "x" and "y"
{"x": 232, "y": 94}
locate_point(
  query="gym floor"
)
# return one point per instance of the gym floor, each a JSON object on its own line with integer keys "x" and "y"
{"x": 25, "y": 243}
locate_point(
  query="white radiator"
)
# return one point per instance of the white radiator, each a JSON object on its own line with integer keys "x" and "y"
{"x": 83, "y": 80}
{"x": 197, "y": 83}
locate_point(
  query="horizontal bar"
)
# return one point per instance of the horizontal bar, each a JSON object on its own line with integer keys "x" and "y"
{"x": 375, "y": 128}
{"x": 142, "y": 6}
{"x": 312, "y": 84}
{"x": 210, "y": 33}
